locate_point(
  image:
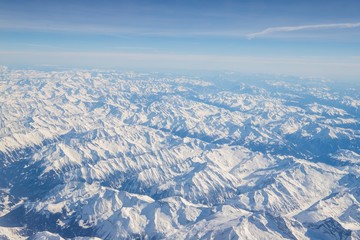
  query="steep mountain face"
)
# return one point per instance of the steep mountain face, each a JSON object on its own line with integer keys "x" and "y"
{"x": 109, "y": 155}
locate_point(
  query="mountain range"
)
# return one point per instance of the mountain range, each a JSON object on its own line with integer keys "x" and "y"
{"x": 123, "y": 155}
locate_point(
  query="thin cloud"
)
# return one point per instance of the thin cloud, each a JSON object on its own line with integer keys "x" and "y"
{"x": 48, "y": 26}
{"x": 332, "y": 68}
{"x": 303, "y": 27}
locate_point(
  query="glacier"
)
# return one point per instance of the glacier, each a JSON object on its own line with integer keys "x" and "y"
{"x": 103, "y": 154}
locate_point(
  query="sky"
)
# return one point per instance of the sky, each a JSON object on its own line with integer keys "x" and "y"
{"x": 305, "y": 38}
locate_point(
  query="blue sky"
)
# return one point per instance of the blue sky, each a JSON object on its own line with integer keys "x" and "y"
{"x": 308, "y": 38}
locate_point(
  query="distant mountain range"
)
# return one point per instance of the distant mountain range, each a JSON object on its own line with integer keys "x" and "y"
{"x": 124, "y": 155}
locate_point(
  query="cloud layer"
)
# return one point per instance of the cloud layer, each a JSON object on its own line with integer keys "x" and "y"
{"x": 343, "y": 68}
{"x": 302, "y": 27}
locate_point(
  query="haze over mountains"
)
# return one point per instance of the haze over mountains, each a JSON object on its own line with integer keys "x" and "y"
{"x": 124, "y": 155}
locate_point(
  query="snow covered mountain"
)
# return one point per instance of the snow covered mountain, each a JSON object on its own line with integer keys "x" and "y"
{"x": 112, "y": 155}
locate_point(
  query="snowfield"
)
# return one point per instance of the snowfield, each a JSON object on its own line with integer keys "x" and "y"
{"x": 124, "y": 155}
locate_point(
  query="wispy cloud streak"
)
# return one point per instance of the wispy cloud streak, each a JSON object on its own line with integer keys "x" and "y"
{"x": 112, "y": 29}
{"x": 302, "y": 27}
